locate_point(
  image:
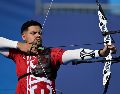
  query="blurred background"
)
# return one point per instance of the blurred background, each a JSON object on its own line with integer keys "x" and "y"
{"x": 68, "y": 22}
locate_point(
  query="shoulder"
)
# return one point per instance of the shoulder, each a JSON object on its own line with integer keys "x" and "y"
{"x": 57, "y": 50}
{"x": 14, "y": 52}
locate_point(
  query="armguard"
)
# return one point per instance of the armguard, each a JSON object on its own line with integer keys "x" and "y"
{"x": 79, "y": 54}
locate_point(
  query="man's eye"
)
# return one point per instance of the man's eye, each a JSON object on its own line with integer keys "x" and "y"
{"x": 33, "y": 33}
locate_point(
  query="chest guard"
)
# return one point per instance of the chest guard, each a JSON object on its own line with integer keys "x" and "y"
{"x": 44, "y": 66}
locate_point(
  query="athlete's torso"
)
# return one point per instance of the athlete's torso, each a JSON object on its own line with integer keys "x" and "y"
{"x": 32, "y": 84}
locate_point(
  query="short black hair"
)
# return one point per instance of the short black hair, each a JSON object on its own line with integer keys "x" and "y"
{"x": 28, "y": 24}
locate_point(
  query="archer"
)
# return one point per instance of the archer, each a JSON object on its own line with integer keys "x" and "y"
{"x": 36, "y": 65}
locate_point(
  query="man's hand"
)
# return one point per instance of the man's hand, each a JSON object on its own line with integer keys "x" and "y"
{"x": 106, "y": 50}
{"x": 27, "y": 47}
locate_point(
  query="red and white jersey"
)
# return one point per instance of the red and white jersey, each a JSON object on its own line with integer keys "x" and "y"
{"x": 31, "y": 84}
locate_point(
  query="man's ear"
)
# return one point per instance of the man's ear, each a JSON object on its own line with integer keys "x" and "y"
{"x": 23, "y": 36}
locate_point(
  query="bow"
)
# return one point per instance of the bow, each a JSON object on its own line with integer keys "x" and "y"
{"x": 107, "y": 40}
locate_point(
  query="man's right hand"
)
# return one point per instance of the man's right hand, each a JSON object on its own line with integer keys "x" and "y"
{"x": 25, "y": 47}
{"x": 28, "y": 47}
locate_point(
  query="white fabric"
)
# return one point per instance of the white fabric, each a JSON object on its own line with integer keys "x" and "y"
{"x": 70, "y": 55}
{"x": 6, "y": 43}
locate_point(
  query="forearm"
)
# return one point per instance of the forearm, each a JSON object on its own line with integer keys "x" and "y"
{"x": 79, "y": 54}
{"x": 6, "y": 43}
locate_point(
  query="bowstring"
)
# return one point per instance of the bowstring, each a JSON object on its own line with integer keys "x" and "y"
{"x": 46, "y": 16}
{"x": 47, "y": 13}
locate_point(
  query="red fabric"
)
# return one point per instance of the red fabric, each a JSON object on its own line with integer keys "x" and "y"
{"x": 23, "y": 63}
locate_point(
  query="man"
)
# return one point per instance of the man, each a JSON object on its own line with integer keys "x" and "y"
{"x": 37, "y": 66}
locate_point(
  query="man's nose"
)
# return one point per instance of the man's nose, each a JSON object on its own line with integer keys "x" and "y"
{"x": 38, "y": 35}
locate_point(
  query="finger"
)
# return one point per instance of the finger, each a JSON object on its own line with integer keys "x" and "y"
{"x": 110, "y": 46}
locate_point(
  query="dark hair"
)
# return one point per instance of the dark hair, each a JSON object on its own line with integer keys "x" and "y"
{"x": 28, "y": 24}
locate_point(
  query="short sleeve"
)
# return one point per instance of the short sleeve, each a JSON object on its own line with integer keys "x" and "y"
{"x": 56, "y": 55}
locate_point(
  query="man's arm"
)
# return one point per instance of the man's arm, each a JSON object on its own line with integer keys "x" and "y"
{"x": 83, "y": 54}
{"x": 5, "y": 44}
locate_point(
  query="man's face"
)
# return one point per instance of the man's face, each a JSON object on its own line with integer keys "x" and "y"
{"x": 33, "y": 34}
